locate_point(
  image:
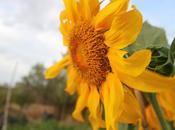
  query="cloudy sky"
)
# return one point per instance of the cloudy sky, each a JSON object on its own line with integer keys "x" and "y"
{"x": 29, "y": 31}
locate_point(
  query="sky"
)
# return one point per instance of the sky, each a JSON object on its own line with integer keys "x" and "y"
{"x": 29, "y": 31}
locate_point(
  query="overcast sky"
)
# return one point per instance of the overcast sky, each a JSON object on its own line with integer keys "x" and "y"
{"x": 29, "y": 31}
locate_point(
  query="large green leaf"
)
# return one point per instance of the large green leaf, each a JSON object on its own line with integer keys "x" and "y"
{"x": 150, "y": 37}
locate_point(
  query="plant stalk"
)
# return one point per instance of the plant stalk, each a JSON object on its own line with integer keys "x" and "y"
{"x": 159, "y": 112}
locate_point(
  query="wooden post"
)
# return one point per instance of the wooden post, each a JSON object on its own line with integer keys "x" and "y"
{"x": 8, "y": 97}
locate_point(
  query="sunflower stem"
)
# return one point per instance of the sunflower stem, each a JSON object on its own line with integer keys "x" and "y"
{"x": 159, "y": 112}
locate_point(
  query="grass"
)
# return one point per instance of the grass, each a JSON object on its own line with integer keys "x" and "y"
{"x": 48, "y": 125}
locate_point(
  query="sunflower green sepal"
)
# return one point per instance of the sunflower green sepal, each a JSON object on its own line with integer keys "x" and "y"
{"x": 162, "y": 60}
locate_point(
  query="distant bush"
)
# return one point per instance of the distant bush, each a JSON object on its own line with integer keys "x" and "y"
{"x": 33, "y": 88}
{"x": 22, "y": 95}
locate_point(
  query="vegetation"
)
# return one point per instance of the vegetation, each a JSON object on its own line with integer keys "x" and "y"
{"x": 33, "y": 88}
{"x": 48, "y": 125}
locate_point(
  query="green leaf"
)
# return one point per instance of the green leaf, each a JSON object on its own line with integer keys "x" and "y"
{"x": 163, "y": 60}
{"x": 150, "y": 37}
{"x": 172, "y": 52}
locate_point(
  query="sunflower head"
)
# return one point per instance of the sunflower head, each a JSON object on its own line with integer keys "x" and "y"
{"x": 89, "y": 53}
{"x": 94, "y": 38}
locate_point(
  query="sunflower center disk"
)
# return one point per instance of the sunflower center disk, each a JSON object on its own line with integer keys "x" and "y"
{"x": 89, "y": 53}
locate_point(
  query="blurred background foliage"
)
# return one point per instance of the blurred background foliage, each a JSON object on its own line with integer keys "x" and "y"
{"x": 39, "y": 104}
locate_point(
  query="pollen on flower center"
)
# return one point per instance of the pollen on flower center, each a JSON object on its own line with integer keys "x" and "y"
{"x": 89, "y": 53}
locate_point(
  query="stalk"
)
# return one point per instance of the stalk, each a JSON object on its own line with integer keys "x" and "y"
{"x": 159, "y": 112}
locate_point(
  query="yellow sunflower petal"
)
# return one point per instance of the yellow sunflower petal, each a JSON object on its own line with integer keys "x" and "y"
{"x": 169, "y": 115}
{"x": 81, "y": 102}
{"x": 94, "y": 6}
{"x": 89, "y": 8}
{"x": 71, "y": 80}
{"x": 166, "y": 100}
{"x": 54, "y": 70}
{"x": 64, "y": 26}
{"x": 93, "y": 101}
{"x": 105, "y": 93}
{"x": 95, "y": 116}
{"x": 152, "y": 119}
{"x": 71, "y": 9}
{"x": 131, "y": 112}
{"x": 124, "y": 29}
{"x": 95, "y": 109}
{"x": 104, "y": 18}
{"x": 85, "y": 8}
{"x": 148, "y": 81}
{"x": 97, "y": 122}
{"x": 134, "y": 65}
{"x": 113, "y": 96}
{"x": 167, "y": 103}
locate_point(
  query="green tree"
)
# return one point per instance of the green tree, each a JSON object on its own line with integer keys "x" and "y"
{"x": 3, "y": 91}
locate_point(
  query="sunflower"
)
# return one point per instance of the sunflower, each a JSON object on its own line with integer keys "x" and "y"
{"x": 153, "y": 121}
{"x": 167, "y": 102}
{"x": 97, "y": 69}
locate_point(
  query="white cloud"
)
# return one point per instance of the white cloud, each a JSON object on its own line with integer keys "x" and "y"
{"x": 29, "y": 34}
